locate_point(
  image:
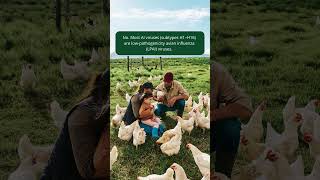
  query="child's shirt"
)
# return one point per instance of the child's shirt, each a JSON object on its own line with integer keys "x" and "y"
{"x": 145, "y": 112}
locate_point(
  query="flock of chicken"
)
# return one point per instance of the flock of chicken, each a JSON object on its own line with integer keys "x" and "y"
{"x": 33, "y": 159}
{"x": 277, "y": 159}
{"x": 253, "y": 40}
{"x": 171, "y": 139}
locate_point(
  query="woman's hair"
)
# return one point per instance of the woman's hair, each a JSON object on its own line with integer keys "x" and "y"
{"x": 146, "y": 85}
{"x": 145, "y": 96}
{"x": 141, "y": 88}
{"x": 97, "y": 87}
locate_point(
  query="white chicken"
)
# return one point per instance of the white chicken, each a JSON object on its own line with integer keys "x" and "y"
{"x": 203, "y": 121}
{"x": 150, "y": 78}
{"x": 125, "y": 132}
{"x": 297, "y": 168}
{"x": 82, "y": 70}
{"x": 206, "y": 100}
{"x": 168, "y": 175}
{"x": 317, "y": 21}
{"x": 172, "y": 147}
{"x": 259, "y": 168}
{"x": 282, "y": 169}
{"x": 128, "y": 97}
{"x": 188, "y": 106}
{"x": 38, "y": 153}
{"x": 160, "y": 94}
{"x": 140, "y": 80}
{"x": 313, "y": 140}
{"x": 95, "y": 57}
{"x": 287, "y": 142}
{"x": 289, "y": 109}
{"x": 315, "y": 173}
{"x": 309, "y": 117}
{"x": 117, "y": 118}
{"x": 133, "y": 84}
{"x": 28, "y": 169}
{"x": 113, "y": 156}
{"x": 180, "y": 174}
{"x": 250, "y": 149}
{"x": 313, "y": 104}
{"x": 68, "y": 72}
{"x": 308, "y": 114}
{"x": 139, "y": 136}
{"x": 157, "y": 78}
{"x": 58, "y": 114}
{"x": 79, "y": 70}
{"x": 253, "y": 40}
{"x": 193, "y": 113}
{"x": 254, "y": 129}
{"x": 28, "y": 78}
{"x": 200, "y": 101}
{"x": 201, "y": 159}
{"x": 168, "y": 134}
{"x": 186, "y": 125}
{"x": 120, "y": 89}
{"x": 33, "y": 160}
{"x": 207, "y": 177}
{"x": 216, "y": 176}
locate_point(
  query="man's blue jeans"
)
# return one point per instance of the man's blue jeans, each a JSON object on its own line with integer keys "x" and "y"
{"x": 225, "y": 141}
{"x": 178, "y": 106}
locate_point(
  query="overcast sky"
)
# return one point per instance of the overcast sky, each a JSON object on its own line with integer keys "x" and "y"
{"x": 160, "y": 15}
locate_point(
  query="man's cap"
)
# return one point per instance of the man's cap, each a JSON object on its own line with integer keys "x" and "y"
{"x": 168, "y": 77}
{"x": 147, "y": 85}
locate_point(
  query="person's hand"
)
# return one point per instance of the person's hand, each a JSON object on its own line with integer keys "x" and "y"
{"x": 171, "y": 101}
{"x": 161, "y": 99}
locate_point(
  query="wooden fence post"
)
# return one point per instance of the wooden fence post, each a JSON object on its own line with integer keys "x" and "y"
{"x": 67, "y": 13}
{"x": 142, "y": 60}
{"x": 128, "y": 64}
{"x": 58, "y": 15}
{"x": 105, "y": 7}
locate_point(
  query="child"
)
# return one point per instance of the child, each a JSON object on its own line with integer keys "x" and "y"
{"x": 146, "y": 114}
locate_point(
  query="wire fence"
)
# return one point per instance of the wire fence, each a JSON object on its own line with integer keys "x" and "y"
{"x": 155, "y": 63}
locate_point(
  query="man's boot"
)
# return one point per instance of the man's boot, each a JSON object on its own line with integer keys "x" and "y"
{"x": 155, "y": 133}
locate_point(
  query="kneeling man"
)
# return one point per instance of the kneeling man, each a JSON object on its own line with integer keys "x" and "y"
{"x": 174, "y": 96}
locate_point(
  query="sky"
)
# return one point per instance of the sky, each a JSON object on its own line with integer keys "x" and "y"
{"x": 160, "y": 15}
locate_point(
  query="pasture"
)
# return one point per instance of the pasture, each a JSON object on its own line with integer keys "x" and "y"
{"x": 28, "y": 35}
{"x": 282, "y": 61}
{"x": 193, "y": 73}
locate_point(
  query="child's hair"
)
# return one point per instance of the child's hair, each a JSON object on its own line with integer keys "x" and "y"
{"x": 146, "y": 95}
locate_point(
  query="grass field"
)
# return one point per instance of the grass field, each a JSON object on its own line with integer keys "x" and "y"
{"x": 285, "y": 61}
{"x": 28, "y": 35}
{"x": 193, "y": 73}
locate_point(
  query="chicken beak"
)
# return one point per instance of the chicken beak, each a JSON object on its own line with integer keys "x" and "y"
{"x": 298, "y": 117}
{"x": 271, "y": 156}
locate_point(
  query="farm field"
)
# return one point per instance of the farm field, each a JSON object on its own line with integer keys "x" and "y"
{"x": 28, "y": 35}
{"x": 271, "y": 49}
{"x": 193, "y": 73}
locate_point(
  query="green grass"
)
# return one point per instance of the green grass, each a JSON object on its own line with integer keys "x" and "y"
{"x": 149, "y": 159}
{"x": 28, "y": 35}
{"x": 285, "y": 61}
